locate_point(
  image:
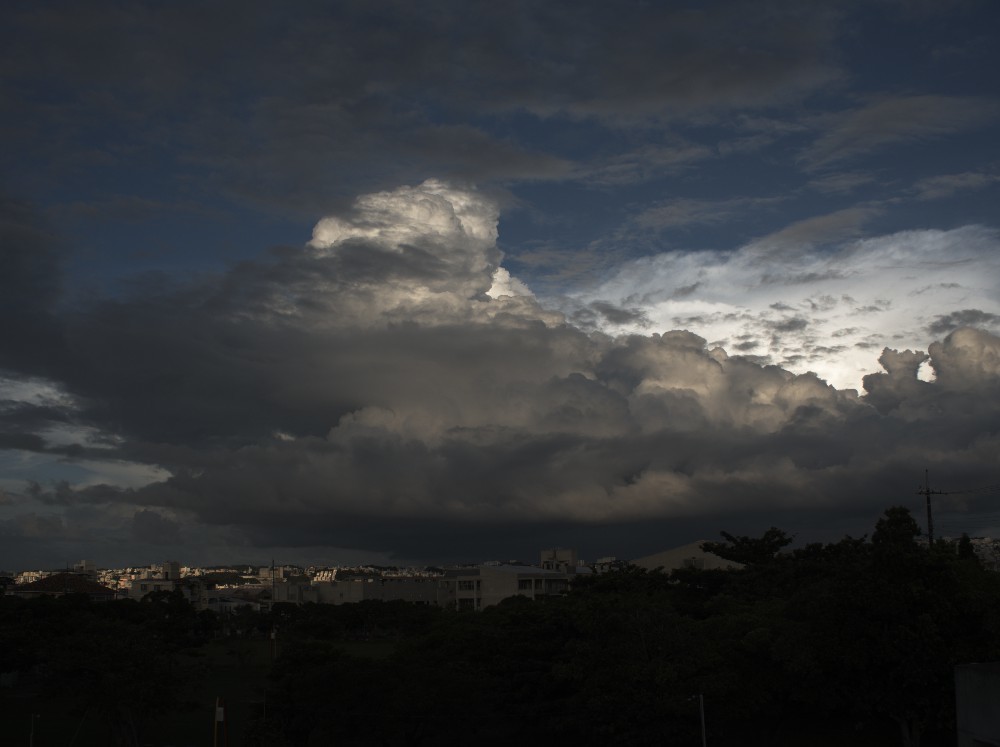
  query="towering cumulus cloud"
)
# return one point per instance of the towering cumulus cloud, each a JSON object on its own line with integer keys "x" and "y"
{"x": 445, "y": 236}
{"x": 391, "y": 387}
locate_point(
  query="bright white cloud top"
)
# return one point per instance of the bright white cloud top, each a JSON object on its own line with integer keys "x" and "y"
{"x": 824, "y": 309}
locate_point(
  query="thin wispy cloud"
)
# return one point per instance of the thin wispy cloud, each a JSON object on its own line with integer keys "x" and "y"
{"x": 947, "y": 185}
{"x": 896, "y": 120}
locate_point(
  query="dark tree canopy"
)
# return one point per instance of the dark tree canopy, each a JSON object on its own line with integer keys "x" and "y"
{"x": 897, "y": 528}
{"x": 750, "y": 551}
{"x": 853, "y": 642}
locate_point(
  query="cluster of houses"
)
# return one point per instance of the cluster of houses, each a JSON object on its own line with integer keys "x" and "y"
{"x": 471, "y": 587}
{"x": 465, "y": 588}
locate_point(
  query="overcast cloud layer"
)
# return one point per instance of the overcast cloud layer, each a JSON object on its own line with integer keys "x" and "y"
{"x": 376, "y": 390}
{"x": 441, "y": 280}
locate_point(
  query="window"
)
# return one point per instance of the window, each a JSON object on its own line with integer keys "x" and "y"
{"x": 524, "y": 584}
{"x": 466, "y": 585}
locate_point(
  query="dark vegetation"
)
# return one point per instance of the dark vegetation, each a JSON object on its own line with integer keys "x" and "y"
{"x": 847, "y": 643}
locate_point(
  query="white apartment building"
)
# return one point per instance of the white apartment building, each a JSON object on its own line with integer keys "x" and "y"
{"x": 489, "y": 585}
{"x": 462, "y": 588}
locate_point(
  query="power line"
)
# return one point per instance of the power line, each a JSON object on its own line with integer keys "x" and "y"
{"x": 984, "y": 489}
{"x": 927, "y": 492}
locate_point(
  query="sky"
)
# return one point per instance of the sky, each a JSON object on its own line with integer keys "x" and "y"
{"x": 394, "y": 283}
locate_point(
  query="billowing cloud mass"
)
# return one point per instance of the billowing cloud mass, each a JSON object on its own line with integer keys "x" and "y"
{"x": 376, "y": 390}
{"x": 808, "y": 300}
{"x": 355, "y": 280}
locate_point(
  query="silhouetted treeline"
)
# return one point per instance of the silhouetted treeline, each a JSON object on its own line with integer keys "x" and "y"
{"x": 847, "y": 643}
{"x": 115, "y": 664}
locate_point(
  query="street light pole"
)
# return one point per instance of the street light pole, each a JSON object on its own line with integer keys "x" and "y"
{"x": 701, "y": 707}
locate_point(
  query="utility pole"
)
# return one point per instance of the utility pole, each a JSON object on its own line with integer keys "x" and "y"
{"x": 701, "y": 712}
{"x": 220, "y": 724}
{"x": 701, "y": 706}
{"x": 927, "y": 493}
{"x": 274, "y": 635}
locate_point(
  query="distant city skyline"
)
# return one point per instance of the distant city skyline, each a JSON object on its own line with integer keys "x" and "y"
{"x": 407, "y": 284}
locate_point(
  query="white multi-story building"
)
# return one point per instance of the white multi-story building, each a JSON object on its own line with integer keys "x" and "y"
{"x": 489, "y": 585}
{"x": 158, "y": 577}
{"x": 463, "y": 588}
{"x": 86, "y": 567}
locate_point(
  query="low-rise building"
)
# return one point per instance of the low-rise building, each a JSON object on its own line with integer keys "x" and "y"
{"x": 489, "y": 585}
{"x": 140, "y": 587}
{"x": 561, "y": 559}
{"x": 27, "y": 577}
{"x": 86, "y": 567}
{"x": 223, "y": 601}
{"x": 462, "y": 588}
{"x": 416, "y": 590}
{"x": 164, "y": 576}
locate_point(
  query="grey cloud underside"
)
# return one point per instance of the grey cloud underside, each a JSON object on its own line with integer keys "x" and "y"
{"x": 152, "y": 528}
{"x": 610, "y": 313}
{"x": 482, "y": 415}
{"x": 770, "y": 176}
{"x": 375, "y": 390}
{"x": 966, "y": 317}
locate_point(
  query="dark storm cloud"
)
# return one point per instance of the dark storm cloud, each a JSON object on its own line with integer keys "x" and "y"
{"x": 150, "y": 527}
{"x": 352, "y": 96}
{"x": 32, "y": 527}
{"x": 30, "y": 280}
{"x": 24, "y": 416}
{"x": 346, "y": 396}
{"x": 602, "y": 315}
{"x": 22, "y": 441}
{"x": 617, "y": 315}
{"x": 390, "y": 385}
{"x": 965, "y": 318}
{"x": 794, "y": 324}
{"x": 469, "y": 153}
